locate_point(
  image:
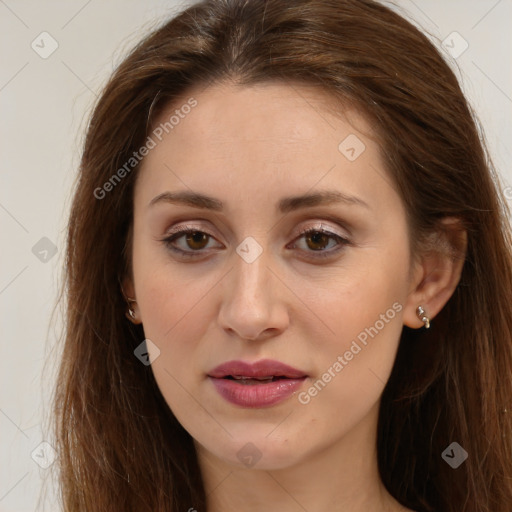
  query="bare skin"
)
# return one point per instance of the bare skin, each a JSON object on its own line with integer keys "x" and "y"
{"x": 249, "y": 147}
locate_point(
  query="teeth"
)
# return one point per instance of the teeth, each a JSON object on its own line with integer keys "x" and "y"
{"x": 240, "y": 377}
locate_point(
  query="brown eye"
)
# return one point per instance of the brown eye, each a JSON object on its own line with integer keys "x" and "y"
{"x": 188, "y": 242}
{"x": 319, "y": 243}
{"x": 197, "y": 240}
{"x": 319, "y": 240}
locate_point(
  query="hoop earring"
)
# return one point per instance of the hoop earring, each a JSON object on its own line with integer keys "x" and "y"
{"x": 420, "y": 313}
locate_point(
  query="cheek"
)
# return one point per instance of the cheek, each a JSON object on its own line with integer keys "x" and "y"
{"x": 175, "y": 317}
{"x": 174, "y": 309}
{"x": 169, "y": 301}
{"x": 167, "y": 294}
{"x": 362, "y": 311}
{"x": 370, "y": 288}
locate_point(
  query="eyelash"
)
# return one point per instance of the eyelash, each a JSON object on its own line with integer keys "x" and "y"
{"x": 184, "y": 230}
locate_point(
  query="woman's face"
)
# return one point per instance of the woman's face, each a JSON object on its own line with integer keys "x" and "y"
{"x": 249, "y": 285}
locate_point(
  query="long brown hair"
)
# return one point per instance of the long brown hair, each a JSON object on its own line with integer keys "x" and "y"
{"x": 120, "y": 447}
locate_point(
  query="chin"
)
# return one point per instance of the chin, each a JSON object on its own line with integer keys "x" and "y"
{"x": 258, "y": 452}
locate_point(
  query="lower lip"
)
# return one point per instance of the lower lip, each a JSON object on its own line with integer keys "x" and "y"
{"x": 256, "y": 395}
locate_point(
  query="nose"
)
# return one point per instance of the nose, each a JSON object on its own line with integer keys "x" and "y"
{"x": 254, "y": 303}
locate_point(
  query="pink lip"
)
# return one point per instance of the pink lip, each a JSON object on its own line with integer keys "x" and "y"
{"x": 261, "y": 368}
{"x": 256, "y": 395}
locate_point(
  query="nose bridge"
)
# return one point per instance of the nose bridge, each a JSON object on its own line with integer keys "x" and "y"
{"x": 251, "y": 274}
{"x": 250, "y": 302}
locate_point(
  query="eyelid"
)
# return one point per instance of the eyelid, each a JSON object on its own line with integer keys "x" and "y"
{"x": 185, "y": 227}
{"x": 181, "y": 230}
{"x": 320, "y": 226}
{"x": 325, "y": 228}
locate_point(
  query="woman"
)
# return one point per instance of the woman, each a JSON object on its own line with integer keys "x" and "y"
{"x": 288, "y": 275}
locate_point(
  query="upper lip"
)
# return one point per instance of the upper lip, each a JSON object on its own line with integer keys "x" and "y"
{"x": 258, "y": 369}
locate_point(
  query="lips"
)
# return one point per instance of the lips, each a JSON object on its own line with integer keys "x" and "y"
{"x": 265, "y": 370}
{"x": 261, "y": 384}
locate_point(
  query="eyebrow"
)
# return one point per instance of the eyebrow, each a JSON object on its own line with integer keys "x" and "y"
{"x": 285, "y": 205}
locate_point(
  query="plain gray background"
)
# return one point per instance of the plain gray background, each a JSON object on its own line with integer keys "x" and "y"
{"x": 44, "y": 104}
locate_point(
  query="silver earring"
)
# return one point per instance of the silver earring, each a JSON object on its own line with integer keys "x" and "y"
{"x": 131, "y": 312}
{"x": 420, "y": 312}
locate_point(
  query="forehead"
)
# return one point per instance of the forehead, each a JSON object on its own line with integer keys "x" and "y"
{"x": 291, "y": 130}
{"x": 271, "y": 111}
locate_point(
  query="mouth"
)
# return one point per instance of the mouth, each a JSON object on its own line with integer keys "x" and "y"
{"x": 240, "y": 379}
{"x": 259, "y": 372}
{"x": 254, "y": 385}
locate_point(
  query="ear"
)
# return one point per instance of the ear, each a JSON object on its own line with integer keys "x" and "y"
{"x": 128, "y": 291}
{"x": 436, "y": 272}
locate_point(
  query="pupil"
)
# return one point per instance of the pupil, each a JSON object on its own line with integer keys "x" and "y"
{"x": 318, "y": 238}
{"x": 196, "y": 237}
